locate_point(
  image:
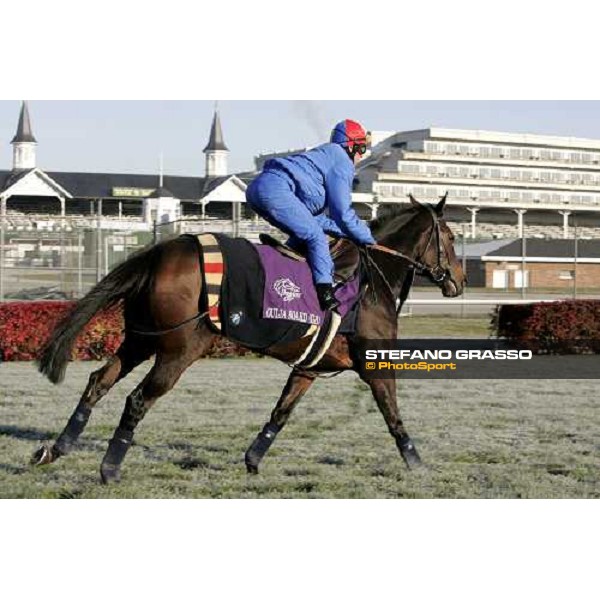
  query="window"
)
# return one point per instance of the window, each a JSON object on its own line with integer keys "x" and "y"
{"x": 514, "y": 153}
{"x": 409, "y": 168}
{"x": 566, "y": 275}
{"x": 575, "y": 178}
{"x": 496, "y": 173}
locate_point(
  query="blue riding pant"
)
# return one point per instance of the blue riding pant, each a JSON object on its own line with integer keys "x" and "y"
{"x": 271, "y": 195}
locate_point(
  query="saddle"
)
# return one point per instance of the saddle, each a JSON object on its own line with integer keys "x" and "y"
{"x": 345, "y": 255}
{"x": 259, "y": 296}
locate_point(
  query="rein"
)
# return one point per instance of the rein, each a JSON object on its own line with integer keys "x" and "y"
{"x": 437, "y": 273}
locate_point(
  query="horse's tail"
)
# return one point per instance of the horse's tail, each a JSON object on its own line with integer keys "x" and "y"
{"x": 126, "y": 281}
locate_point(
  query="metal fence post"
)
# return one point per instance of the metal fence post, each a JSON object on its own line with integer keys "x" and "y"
{"x": 99, "y": 240}
{"x": 79, "y": 264}
{"x": 464, "y": 264}
{"x": 2, "y": 226}
{"x": 523, "y": 252}
{"x": 575, "y": 252}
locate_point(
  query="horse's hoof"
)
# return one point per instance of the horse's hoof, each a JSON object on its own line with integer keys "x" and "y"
{"x": 412, "y": 460}
{"x": 410, "y": 455}
{"x": 110, "y": 474}
{"x": 43, "y": 456}
{"x": 252, "y": 469}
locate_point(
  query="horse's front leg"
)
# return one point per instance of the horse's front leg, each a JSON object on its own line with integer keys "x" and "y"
{"x": 384, "y": 392}
{"x": 296, "y": 386}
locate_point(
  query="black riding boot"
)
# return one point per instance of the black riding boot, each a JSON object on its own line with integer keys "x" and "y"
{"x": 327, "y": 299}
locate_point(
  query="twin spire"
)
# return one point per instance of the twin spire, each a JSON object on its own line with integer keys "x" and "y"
{"x": 216, "y": 142}
{"x": 24, "y": 145}
{"x": 216, "y": 151}
{"x": 24, "y": 133}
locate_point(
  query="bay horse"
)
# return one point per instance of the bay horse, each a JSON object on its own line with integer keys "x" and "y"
{"x": 161, "y": 285}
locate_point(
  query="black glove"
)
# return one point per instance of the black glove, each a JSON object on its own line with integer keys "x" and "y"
{"x": 327, "y": 299}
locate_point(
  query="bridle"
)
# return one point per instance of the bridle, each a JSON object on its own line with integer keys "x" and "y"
{"x": 436, "y": 273}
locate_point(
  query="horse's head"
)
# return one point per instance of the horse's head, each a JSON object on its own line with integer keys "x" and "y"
{"x": 421, "y": 233}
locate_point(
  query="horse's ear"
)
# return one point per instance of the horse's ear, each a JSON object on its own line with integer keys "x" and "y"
{"x": 439, "y": 209}
{"x": 414, "y": 201}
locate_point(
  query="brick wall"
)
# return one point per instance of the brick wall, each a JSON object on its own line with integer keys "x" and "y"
{"x": 547, "y": 275}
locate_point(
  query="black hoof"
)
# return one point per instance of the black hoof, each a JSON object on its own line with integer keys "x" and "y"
{"x": 110, "y": 474}
{"x": 252, "y": 468}
{"x": 43, "y": 456}
{"x": 409, "y": 454}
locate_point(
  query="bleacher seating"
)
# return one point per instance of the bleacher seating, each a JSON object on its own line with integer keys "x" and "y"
{"x": 498, "y": 231}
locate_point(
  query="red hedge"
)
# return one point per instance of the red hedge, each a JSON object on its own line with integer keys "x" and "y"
{"x": 25, "y": 327}
{"x": 568, "y": 326}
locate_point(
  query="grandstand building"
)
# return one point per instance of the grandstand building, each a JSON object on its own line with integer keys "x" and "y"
{"x": 497, "y": 183}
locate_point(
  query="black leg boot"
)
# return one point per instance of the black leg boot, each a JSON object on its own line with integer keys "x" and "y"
{"x": 259, "y": 446}
{"x": 117, "y": 449}
{"x": 77, "y": 422}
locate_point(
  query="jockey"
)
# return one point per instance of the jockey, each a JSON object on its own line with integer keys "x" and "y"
{"x": 293, "y": 193}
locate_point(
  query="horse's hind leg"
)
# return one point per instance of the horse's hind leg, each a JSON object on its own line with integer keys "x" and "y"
{"x": 128, "y": 357}
{"x": 296, "y": 386}
{"x": 165, "y": 373}
{"x": 384, "y": 392}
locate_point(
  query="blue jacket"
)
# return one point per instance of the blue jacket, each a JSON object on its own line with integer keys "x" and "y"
{"x": 322, "y": 178}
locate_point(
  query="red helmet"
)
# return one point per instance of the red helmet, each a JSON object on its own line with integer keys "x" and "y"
{"x": 351, "y": 135}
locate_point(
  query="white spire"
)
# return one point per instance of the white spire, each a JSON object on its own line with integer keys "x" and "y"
{"x": 24, "y": 142}
{"x": 216, "y": 151}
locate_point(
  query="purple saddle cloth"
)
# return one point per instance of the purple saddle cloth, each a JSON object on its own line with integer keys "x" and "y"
{"x": 289, "y": 293}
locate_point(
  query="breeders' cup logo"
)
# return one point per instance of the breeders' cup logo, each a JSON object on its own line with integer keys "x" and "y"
{"x": 287, "y": 289}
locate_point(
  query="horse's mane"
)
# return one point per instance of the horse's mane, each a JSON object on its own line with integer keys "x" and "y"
{"x": 391, "y": 219}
